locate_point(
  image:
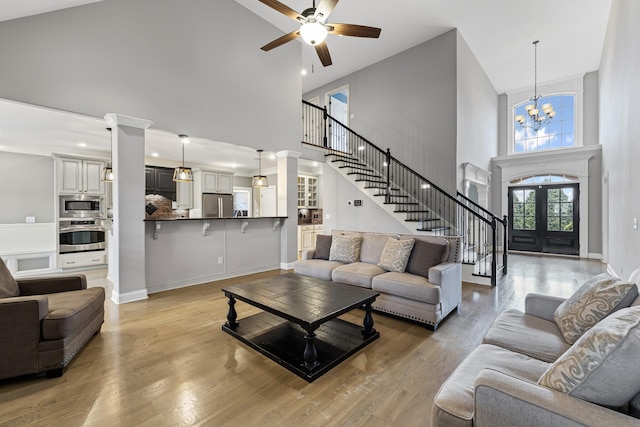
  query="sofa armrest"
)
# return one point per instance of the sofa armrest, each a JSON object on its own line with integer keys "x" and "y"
{"x": 51, "y": 284}
{"x": 448, "y": 276}
{"x": 307, "y": 254}
{"x": 28, "y": 312}
{"x": 505, "y": 401}
{"x": 542, "y": 306}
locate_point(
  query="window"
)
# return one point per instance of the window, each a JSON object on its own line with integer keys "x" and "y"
{"x": 557, "y": 133}
{"x": 544, "y": 179}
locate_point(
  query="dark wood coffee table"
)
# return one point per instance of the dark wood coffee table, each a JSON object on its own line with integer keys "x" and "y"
{"x": 299, "y": 328}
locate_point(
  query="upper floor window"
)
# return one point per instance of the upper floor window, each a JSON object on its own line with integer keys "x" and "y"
{"x": 559, "y": 132}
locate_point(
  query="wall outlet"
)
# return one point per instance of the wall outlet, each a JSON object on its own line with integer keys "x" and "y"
{"x": 635, "y": 223}
{"x": 220, "y": 260}
{"x": 327, "y": 216}
{"x": 349, "y": 202}
{"x": 32, "y": 219}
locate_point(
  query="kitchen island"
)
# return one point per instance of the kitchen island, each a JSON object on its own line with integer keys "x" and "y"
{"x": 188, "y": 251}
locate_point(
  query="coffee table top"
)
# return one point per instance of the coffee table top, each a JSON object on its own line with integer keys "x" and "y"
{"x": 304, "y": 300}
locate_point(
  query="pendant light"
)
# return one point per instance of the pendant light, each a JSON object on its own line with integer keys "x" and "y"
{"x": 181, "y": 173}
{"x": 259, "y": 180}
{"x": 107, "y": 171}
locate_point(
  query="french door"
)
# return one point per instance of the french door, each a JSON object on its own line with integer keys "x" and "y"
{"x": 545, "y": 218}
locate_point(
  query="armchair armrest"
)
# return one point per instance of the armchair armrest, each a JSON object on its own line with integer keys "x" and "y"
{"x": 51, "y": 284}
{"x": 505, "y": 401}
{"x": 28, "y": 307}
{"x": 542, "y": 306}
{"x": 307, "y": 254}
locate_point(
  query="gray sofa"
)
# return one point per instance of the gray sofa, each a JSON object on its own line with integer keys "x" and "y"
{"x": 426, "y": 291}
{"x": 45, "y": 322}
{"x": 500, "y": 382}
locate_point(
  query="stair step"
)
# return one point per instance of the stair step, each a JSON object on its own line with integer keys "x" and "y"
{"x": 401, "y": 203}
{"x": 340, "y": 156}
{"x": 369, "y": 187}
{"x": 404, "y": 196}
{"x": 434, "y": 228}
{"x": 412, "y": 211}
{"x": 361, "y": 168}
{"x": 370, "y": 175}
{"x": 423, "y": 219}
{"x": 350, "y": 163}
{"x": 370, "y": 180}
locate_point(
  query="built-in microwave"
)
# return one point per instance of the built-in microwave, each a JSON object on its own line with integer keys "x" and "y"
{"x": 81, "y": 206}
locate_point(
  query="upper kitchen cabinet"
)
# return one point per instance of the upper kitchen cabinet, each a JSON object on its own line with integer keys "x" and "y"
{"x": 307, "y": 191}
{"x": 214, "y": 182}
{"x": 159, "y": 180}
{"x": 80, "y": 176}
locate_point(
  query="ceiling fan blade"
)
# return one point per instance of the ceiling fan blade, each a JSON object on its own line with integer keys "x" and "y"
{"x": 281, "y": 40}
{"x": 354, "y": 30}
{"x": 325, "y": 8}
{"x": 323, "y": 54}
{"x": 284, "y": 9}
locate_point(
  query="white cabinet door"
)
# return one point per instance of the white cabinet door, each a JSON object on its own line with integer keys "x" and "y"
{"x": 92, "y": 176}
{"x": 308, "y": 238}
{"x": 69, "y": 176}
{"x": 225, "y": 183}
{"x": 184, "y": 195}
{"x": 209, "y": 182}
{"x": 312, "y": 191}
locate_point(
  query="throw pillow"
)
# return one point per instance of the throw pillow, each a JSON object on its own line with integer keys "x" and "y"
{"x": 395, "y": 254}
{"x": 425, "y": 255}
{"x": 597, "y": 298}
{"x": 8, "y": 285}
{"x": 323, "y": 247}
{"x": 602, "y": 366}
{"x": 345, "y": 248}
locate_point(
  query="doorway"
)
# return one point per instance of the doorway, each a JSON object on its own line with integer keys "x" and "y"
{"x": 338, "y": 107}
{"x": 545, "y": 218}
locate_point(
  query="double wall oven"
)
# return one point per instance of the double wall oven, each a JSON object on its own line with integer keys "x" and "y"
{"x": 80, "y": 226}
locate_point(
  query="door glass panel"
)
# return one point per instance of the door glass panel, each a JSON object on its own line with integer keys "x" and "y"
{"x": 567, "y": 223}
{"x": 567, "y": 194}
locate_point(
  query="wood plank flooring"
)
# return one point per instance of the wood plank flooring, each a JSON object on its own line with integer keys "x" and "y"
{"x": 166, "y": 362}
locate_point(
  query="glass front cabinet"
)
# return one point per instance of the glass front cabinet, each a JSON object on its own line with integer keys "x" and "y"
{"x": 307, "y": 191}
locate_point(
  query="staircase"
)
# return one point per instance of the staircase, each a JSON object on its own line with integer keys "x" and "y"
{"x": 421, "y": 206}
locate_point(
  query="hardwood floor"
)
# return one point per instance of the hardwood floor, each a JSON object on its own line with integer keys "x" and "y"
{"x": 165, "y": 362}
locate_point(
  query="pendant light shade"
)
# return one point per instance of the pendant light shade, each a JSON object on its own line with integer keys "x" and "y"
{"x": 107, "y": 171}
{"x": 182, "y": 173}
{"x": 259, "y": 180}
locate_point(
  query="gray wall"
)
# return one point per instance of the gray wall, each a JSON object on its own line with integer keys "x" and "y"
{"x": 408, "y": 103}
{"x": 620, "y": 132}
{"x": 590, "y": 105}
{"x": 477, "y": 113}
{"x": 31, "y": 193}
{"x": 193, "y": 67}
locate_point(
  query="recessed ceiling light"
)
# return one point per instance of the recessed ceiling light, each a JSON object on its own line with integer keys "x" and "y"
{"x": 272, "y": 156}
{"x": 155, "y": 155}
{"x": 304, "y": 72}
{"x": 315, "y": 164}
{"x": 82, "y": 144}
{"x": 233, "y": 165}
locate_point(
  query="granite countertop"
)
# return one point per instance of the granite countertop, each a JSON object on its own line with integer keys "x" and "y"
{"x": 214, "y": 218}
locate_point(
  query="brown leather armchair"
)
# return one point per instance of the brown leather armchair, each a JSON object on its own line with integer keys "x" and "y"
{"x": 45, "y": 322}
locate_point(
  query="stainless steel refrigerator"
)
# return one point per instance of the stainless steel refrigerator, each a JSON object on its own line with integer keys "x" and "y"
{"x": 217, "y": 205}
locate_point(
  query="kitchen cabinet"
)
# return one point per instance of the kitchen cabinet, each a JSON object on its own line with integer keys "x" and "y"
{"x": 307, "y": 235}
{"x": 215, "y": 182}
{"x": 307, "y": 191}
{"x": 184, "y": 195}
{"x": 159, "y": 180}
{"x": 80, "y": 176}
{"x": 82, "y": 259}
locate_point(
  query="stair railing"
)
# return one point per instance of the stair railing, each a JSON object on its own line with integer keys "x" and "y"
{"x": 417, "y": 197}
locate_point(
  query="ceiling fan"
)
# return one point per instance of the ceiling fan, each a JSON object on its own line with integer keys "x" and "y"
{"x": 314, "y": 27}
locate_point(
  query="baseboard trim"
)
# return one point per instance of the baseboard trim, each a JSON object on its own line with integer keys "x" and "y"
{"x": 287, "y": 265}
{"x": 592, "y": 255}
{"x": 129, "y": 296}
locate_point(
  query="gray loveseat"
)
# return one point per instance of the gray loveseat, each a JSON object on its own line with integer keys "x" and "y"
{"x": 426, "y": 290}
{"x": 45, "y": 322}
{"x": 510, "y": 379}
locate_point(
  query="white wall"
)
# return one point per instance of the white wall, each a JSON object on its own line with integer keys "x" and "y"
{"x": 189, "y": 66}
{"x": 26, "y": 188}
{"x": 620, "y": 132}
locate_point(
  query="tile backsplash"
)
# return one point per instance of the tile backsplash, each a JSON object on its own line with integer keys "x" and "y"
{"x": 163, "y": 208}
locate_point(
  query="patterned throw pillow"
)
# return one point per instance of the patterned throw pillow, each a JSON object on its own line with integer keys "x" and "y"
{"x": 601, "y": 367}
{"x": 395, "y": 254}
{"x": 597, "y": 298}
{"x": 345, "y": 248}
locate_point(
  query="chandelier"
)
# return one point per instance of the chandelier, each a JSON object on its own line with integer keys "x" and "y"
{"x": 536, "y": 117}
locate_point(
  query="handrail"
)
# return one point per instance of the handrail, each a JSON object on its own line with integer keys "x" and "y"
{"x": 488, "y": 212}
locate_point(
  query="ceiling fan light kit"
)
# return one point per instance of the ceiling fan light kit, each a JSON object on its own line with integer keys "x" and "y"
{"x": 314, "y": 27}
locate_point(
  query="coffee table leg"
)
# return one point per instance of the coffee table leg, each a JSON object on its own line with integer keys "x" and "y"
{"x": 310, "y": 353}
{"x": 231, "y": 314}
{"x": 368, "y": 321}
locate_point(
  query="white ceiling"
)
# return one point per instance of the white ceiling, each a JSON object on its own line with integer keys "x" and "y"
{"x": 499, "y": 33}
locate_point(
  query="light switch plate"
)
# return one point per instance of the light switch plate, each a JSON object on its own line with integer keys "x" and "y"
{"x": 30, "y": 219}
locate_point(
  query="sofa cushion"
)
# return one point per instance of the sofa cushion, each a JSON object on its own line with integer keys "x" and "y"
{"x": 426, "y": 254}
{"x": 602, "y": 366}
{"x": 408, "y": 286}
{"x": 318, "y": 268}
{"x": 323, "y": 247}
{"x": 8, "y": 285}
{"x": 345, "y": 248}
{"x": 357, "y": 273}
{"x": 396, "y": 254}
{"x": 595, "y": 299}
{"x": 71, "y": 311}
{"x": 527, "y": 334}
{"x": 373, "y": 245}
{"x": 454, "y": 402}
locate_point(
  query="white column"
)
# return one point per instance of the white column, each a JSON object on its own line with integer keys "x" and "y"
{"x": 127, "y": 245}
{"x": 287, "y": 191}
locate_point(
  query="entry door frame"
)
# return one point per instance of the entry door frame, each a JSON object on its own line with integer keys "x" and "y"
{"x": 573, "y": 162}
